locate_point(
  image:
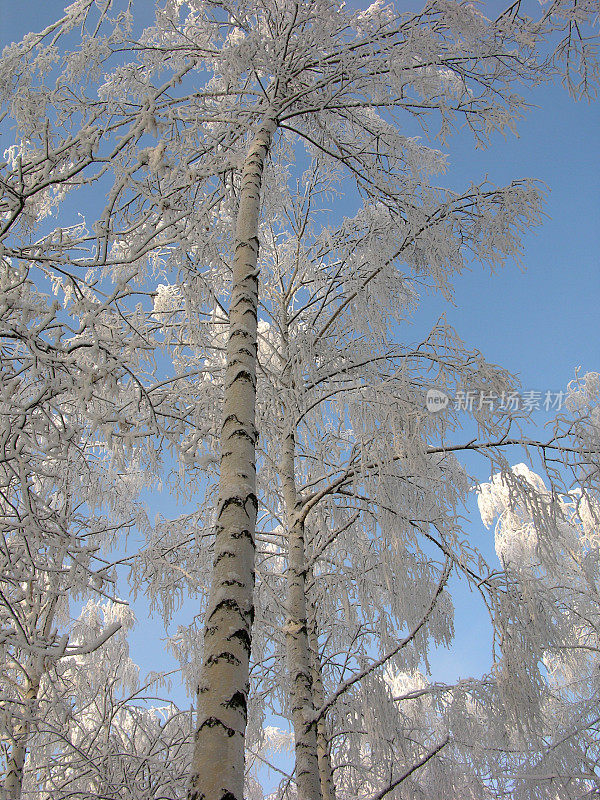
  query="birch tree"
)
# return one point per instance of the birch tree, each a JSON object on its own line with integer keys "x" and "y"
{"x": 330, "y": 416}
{"x": 367, "y": 521}
{"x": 256, "y": 83}
{"x": 68, "y": 351}
{"x": 102, "y": 730}
{"x": 338, "y": 458}
{"x": 285, "y": 85}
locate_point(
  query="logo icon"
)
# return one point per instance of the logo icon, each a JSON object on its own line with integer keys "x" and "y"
{"x": 435, "y": 400}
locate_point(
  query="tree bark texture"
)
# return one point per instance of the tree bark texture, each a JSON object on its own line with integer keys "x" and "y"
{"x": 298, "y": 654}
{"x": 40, "y": 621}
{"x": 323, "y": 743}
{"x": 218, "y": 756}
{"x": 13, "y": 782}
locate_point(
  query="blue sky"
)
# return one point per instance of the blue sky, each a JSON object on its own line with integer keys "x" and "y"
{"x": 540, "y": 323}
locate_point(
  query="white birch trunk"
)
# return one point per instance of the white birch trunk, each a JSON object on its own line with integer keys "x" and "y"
{"x": 218, "y": 757}
{"x": 298, "y": 654}
{"x": 323, "y": 744}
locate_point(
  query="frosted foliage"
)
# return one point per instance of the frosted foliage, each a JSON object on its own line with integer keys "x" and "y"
{"x": 527, "y": 512}
{"x": 88, "y": 56}
{"x": 277, "y": 740}
{"x": 583, "y": 400}
{"x": 583, "y": 391}
{"x": 91, "y": 712}
{"x": 516, "y": 533}
{"x": 167, "y": 300}
{"x": 186, "y": 645}
{"x": 117, "y": 381}
{"x": 416, "y": 722}
{"x": 91, "y": 669}
{"x": 549, "y": 546}
{"x": 401, "y": 683}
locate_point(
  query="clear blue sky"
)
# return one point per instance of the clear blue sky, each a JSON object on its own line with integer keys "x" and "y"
{"x": 540, "y": 324}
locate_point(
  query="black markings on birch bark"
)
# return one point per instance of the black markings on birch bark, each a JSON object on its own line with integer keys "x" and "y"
{"x": 230, "y": 658}
{"x": 298, "y": 655}
{"x": 238, "y": 700}
{"x": 227, "y": 604}
{"x": 243, "y": 636}
{"x": 244, "y": 434}
{"x": 243, "y": 375}
{"x": 323, "y": 735}
{"x": 243, "y": 534}
{"x": 224, "y": 554}
{"x": 240, "y": 502}
{"x": 218, "y": 757}
{"x": 214, "y": 722}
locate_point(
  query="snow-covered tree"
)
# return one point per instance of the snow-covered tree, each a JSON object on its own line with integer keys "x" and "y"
{"x": 72, "y": 368}
{"x": 547, "y": 628}
{"x": 196, "y": 116}
{"x": 98, "y": 732}
{"x": 62, "y": 504}
{"x": 348, "y": 570}
{"x": 338, "y": 83}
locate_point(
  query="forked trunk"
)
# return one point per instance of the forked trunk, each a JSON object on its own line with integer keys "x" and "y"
{"x": 218, "y": 757}
{"x": 298, "y": 653}
{"x": 323, "y": 742}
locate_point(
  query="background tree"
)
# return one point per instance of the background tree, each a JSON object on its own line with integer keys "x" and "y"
{"x": 75, "y": 372}
{"x": 548, "y": 546}
{"x": 61, "y": 507}
{"x": 376, "y": 519}
{"x": 102, "y": 733}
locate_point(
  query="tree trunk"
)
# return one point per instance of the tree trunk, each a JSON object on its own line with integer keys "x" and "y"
{"x": 298, "y": 653}
{"x": 37, "y": 623}
{"x": 13, "y": 782}
{"x": 218, "y": 758}
{"x": 323, "y": 746}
